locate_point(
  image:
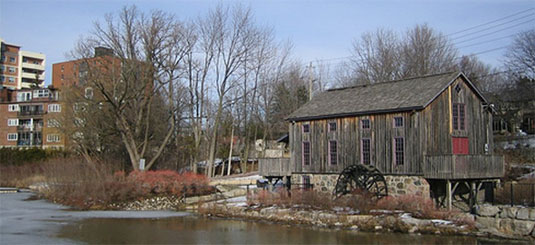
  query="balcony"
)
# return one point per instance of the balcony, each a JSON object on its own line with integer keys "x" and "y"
{"x": 28, "y": 143}
{"x": 33, "y": 66}
{"x": 274, "y": 167}
{"x": 29, "y": 75}
{"x": 463, "y": 167}
{"x": 31, "y": 113}
{"x": 36, "y": 127}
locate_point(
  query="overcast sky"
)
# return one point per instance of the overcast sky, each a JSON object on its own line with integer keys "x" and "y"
{"x": 319, "y": 30}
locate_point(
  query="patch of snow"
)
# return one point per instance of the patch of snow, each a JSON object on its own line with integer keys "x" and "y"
{"x": 441, "y": 222}
{"x": 249, "y": 177}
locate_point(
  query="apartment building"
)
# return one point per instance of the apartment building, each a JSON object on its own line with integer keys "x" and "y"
{"x": 29, "y": 118}
{"x": 19, "y": 68}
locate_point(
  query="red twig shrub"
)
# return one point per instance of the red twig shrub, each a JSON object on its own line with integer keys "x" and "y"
{"x": 83, "y": 185}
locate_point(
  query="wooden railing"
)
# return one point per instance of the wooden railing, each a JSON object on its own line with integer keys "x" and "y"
{"x": 274, "y": 167}
{"x": 463, "y": 167}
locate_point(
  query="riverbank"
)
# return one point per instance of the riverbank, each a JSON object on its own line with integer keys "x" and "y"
{"x": 383, "y": 221}
{"x": 31, "y": 221}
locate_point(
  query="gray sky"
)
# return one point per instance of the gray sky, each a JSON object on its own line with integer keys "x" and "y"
{"x": 319, "y": 30}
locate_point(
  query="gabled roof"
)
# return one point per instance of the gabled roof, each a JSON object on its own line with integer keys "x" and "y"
{"x": 393, "y": 96}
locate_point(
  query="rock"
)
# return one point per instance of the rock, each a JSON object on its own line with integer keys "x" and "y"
{"x": 508, "y": 212}
{"x": 532, "y": 214}
{"x": 413, "y": 229}
{"x": 378, "y": 227}
{"x": 522, "y": 227}
{"x": 354, "y": 227}
{"x": 523, "y": 214}
{"x": 488, "y": 222}
{"x": 358, "y": 219}
{"x": 488, "y": 210}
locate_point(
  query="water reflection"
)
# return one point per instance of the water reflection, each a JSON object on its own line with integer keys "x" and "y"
{"x": 198, "y": 230}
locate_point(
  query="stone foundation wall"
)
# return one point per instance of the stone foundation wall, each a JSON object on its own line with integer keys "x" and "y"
{"x": 397, "y": 184}
{"x": 407, "y": 185}
{"x": 507, "y": 221}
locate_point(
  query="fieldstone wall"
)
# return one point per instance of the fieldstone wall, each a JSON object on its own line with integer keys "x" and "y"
{"x": 321, "y": 182}
{"x": 397, "y": 184}
{"x": 407, "y": 185}
{"x": 507, "y": 221}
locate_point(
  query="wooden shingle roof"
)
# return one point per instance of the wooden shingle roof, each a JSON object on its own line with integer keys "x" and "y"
{"x": 394, "y": 96}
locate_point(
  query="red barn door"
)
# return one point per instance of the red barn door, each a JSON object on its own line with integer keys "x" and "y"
{"x": 460, "y": 145}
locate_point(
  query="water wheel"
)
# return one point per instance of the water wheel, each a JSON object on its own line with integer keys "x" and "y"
{"x": 360, "y": 177}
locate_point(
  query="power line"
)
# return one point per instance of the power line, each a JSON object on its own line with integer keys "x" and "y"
{"x": 490, "y": 22}
{"x": 506, "y": 28}
{"x": 488, "y": 41}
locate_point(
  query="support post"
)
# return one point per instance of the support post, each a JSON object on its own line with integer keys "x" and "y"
{"x": 448, "y": 194}
{"x": 473, "y": 197}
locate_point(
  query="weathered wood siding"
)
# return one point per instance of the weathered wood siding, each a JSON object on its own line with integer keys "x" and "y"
{"x": 438, "y": 130}
{"x": 425, "y": 132}
{"x": 348, "y": 136}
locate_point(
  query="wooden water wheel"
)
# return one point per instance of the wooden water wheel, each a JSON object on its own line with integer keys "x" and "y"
{"x": 361, "y": 177}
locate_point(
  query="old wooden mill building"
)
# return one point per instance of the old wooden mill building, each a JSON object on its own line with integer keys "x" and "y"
{"x": 429, "y": 135}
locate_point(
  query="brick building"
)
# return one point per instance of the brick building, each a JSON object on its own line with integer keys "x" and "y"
{"x": 28, "y": 118}
{"x": 20, "y": 69}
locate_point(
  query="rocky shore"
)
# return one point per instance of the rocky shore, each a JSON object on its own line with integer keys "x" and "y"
{"x": 377, "y": 221}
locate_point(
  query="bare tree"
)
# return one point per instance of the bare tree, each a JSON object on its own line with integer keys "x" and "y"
{"x": 383, "y": 56}
{"x": 520, "y": 57}
{"x": 376, "y": 57}
{"x": 425, "y": 51}
{"x": 142, "y": 73}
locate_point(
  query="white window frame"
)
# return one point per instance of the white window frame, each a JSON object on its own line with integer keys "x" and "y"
{"x": 12, "y": 69}
{"x": 15, "y": 138}
{"x": 52, "y": 138}
{"x": 41, "y": 93}
{"x": 54, "y": 108}
{"x": 13, "y": 107}
{"x": 11, "y": 122}
{"x": 52, "y": 123}
{"x": 24, "y": 96}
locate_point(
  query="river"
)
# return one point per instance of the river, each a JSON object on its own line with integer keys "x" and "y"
{"x": 24, "y": 221}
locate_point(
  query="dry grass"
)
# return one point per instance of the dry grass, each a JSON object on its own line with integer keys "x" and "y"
{"x": 364, "y": 203}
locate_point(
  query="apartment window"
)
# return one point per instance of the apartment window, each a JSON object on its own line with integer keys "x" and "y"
{"x": 366, "y": 151}
{"x": 52, "y": 123}
{"x": 13, "y": 122}
{"x": 306, "y": 153}
{"x": 2, "y": 78}
{"x": 35, "y": 62}
{"x": 3, "y": 58}
{"x": 54, "y": 108}
{"x": 12, "y": 59}
{"x": 24, "y": 96}
{"x": 365, "y": 123}
{"x": 62, "y": 77}
{"x": 12, "y": 137}
{"x": 13, "y": 108}
{"x": 41, "y": 93}
{"x": 11, "y": 69}
{"x": 399, "y": 148}
{"x": 398, "y": 122}
{"x": 52, "y": 138}
{"x": 11, "y": 79}
{"x": 62, "y": 68}
{"x": 89, "y": 93}
{"x": 306, "y": 128}
{"x": 458, "y": 113}
{"x": 332, "y": 127}
{"x": 333, "y": 152}
{"x": 24, "y": 59}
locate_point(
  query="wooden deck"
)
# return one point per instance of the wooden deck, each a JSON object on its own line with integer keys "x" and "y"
{"x": 274, "y": 167}
{"x": 463, "y": 167}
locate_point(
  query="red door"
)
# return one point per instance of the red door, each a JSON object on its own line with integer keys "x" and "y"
{"x": 460, "y": 145}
